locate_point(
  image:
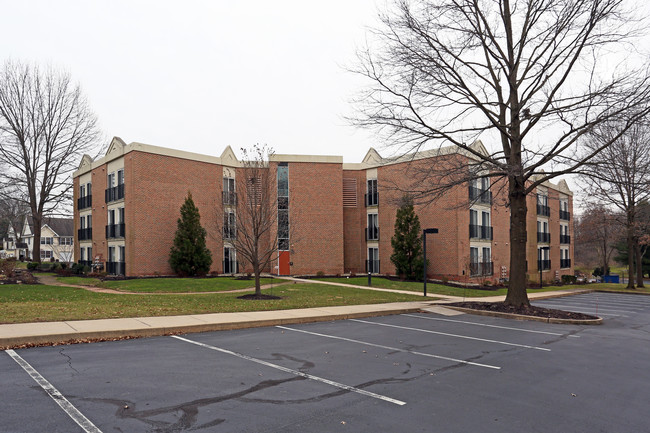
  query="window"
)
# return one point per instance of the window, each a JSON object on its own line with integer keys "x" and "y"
{"x": 82, "y": 254}
{"x": 229, "y": 194}
{"x": 110, "y": 182}
{"x": 229, "y": 260}
{"x": 372, "y": 195}
{"x": 543, "y": 258}
{"x": 82, "y": 190}
{"x": 372, "y": 231}
{"x": 229, "y": 225}
{"x": 47, "y": 241}
{"x": 122, "y": 253}
{"x": 111, "y": 216}
{"x": 90, "y": 253}
{"x": 120, "y": 176}
{"x": 65, "y": 241}
{"x": 46, "y": 254}
{"x": 111, "y": 254}
{"x": 372, "y": 264}
{"x": 283, "y": 207}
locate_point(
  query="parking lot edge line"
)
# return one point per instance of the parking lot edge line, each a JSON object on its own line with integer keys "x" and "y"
{"x": 482, "y": 324}
{"x": 58, "y": 398}
{"x": 295, "y": 372}
{"x": 453, "y": 335}
{"x": 462, "y": 361}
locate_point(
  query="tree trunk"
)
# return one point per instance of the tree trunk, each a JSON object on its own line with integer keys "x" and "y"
{"x": 630, "y": 256}
{"x": 256, "y": 271}
{"x": 36, "y": 251}
{"x": 517, "y": 295}
{"x": 639, "y": 264}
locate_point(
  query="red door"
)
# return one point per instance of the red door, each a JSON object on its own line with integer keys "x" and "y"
{"x": 283, "y": 265}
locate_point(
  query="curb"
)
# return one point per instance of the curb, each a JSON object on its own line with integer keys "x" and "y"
{"x": 96, "y": 336}
{"x": 597, "y": 321}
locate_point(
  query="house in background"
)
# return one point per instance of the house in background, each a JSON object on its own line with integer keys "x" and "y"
{"x": 342, "y": 214}
{"x": 57, "y": 240}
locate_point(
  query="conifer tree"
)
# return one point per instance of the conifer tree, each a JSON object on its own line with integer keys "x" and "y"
{"x": 189, "y": 255}
{"x": 407, "y": 242}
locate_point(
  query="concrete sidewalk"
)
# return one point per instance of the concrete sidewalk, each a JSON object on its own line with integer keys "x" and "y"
{"x": 43, "y": 333}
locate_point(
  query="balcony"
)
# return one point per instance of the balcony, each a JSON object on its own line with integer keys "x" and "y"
{"x": 565, "y": 263}
{"x": 229, "y": 232}
{"x": 543, "y": 265}
{"x": 85, "y": 234}
{"x": 372, "y": 199}
{"x": 115, "y": 231}
{"x": 565, "y": 239}
{"x": 479, "y": 195}
{"x": 372, "y": 233}
{"x": 372, "y": 266}
{"x": 114, "y": 193}
{"x": 543, "y": 210}
{"x": 543, "y": 237}
{"x": 116, "y": 268}
{"x": 84, "y": 202}
{"x": 480, "y": 232}
{"x": 481, "y": 269}
{"x": 229, "y": 198}
{"x": 565, "y": 215}
{"x": 230, "y": 267}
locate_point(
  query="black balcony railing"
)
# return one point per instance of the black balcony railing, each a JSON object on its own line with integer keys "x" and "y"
{"x": 230, "y": 267}
{"x": 479, "y": 195}
{"x": 480, "y": 232}
{"x": 543, "y": 210}
{"x": 543, "y": 265}
{"x": 229, "y": 198}
{"x": 543, "y": 237}
{"x": 565, "y": 239}
{"x": 372, "y": 233}
{"x": 565, "y": 215}
{"x": 372, "y": 266}
{"x": 372, "y": 199}
{"x": 565, "y": 263}
{"x": 116, "y": 268}
{"x": 115, "y": 231}
{"x": 114, "y": 193}
{"x": 229, "y": 232}
{"x": 84, "y": 202}
{"x": 85, "y": 234}
{"x": 88, "y": 263}
{"x": 481, "y": 268}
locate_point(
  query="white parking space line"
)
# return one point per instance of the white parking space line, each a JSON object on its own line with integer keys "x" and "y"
{"x": 67, "y": 407}
{"x": 578, "y": 309}
{"x": 613, "y": 303}
{"x": 295, "y": 372}
{"x": 452, "y": 335}
{"x": 488, "y": 326}
{"x": 391, "y": 348}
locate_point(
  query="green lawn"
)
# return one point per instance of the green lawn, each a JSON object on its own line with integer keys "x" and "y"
{"x": 170, "y": 285}
{"x": 41, "y": 303}
{"x": 452, "y": 291}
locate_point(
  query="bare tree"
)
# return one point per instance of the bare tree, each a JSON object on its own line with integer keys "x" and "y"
{"x": 620, "y": 176}
{"x": 12, "y": 214}
{"x": 526, "y": 74}
{"x": 599, "y": 230}
{"x": 45, "y": 127}
{"x": 256, "y": 227}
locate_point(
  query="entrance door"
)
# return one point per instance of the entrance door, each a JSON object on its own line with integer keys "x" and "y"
{"x": 283, "y": 265}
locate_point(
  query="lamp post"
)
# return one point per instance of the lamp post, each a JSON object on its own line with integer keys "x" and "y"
{"x": 424, "y": 252}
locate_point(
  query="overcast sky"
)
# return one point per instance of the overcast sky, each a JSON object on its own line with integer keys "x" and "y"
{"x": 201, "y": 75}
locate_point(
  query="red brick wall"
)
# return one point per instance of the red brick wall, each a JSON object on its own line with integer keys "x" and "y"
{"x": 354, "y": 224}
{"x": 156, "y": 188}
{"x": 316, "y": 217}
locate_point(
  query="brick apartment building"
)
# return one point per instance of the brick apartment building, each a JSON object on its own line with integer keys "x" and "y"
{"x": 342, "y": 215}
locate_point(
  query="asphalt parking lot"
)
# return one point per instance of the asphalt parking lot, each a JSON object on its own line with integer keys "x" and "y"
{"x": 404, "y": 373}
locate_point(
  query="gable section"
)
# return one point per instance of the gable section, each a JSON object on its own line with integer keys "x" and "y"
{"x": 228, "y": 157}
{"x": 116, "y": 146}
{"x": 372, "y": 157}
{"x": 86, "y": 161}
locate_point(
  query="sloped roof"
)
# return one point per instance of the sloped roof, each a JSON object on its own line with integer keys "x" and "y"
{"x": 60, "y": 226}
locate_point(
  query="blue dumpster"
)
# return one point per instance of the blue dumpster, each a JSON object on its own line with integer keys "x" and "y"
{"x": 612, "y": 278}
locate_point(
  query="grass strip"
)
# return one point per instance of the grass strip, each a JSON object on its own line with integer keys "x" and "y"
{"x": 40, "y": 303}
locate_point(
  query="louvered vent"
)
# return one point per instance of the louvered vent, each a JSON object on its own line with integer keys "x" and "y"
{"x": 349, "y": 192}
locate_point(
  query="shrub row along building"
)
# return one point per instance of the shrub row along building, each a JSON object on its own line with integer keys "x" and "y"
{"x": 342, "y": 216}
